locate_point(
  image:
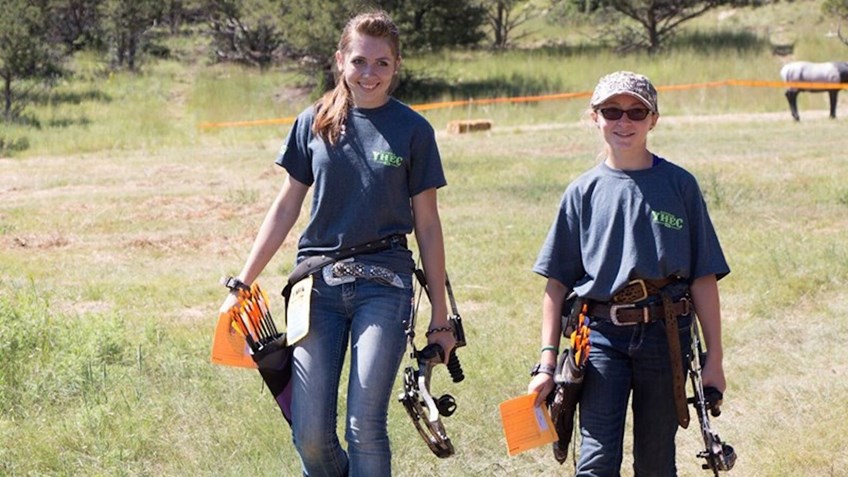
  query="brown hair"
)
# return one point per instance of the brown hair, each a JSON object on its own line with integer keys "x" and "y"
{"x": 331, "y": 110}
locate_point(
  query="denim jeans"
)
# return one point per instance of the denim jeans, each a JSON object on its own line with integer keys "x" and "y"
{"x": 625, "y": 360}
{"x": 372, "y": 318}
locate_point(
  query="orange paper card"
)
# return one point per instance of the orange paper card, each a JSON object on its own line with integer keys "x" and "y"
{"x": 525, "y": 425}
{"x": 229, "y": 348}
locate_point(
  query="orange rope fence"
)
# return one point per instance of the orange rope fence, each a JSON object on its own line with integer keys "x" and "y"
{"x": 553, "y": 97}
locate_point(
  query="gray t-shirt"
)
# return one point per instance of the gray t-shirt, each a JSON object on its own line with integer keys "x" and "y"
{"x": 614, "y": 226}
{"x": 363, "y": 185}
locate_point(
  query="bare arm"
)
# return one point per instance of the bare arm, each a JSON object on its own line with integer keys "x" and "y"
{"x": 705, "y": 297}
{"x": 428, "y": 234}
{"x": 555, "y": 292}
{"x": 278, "y": 222}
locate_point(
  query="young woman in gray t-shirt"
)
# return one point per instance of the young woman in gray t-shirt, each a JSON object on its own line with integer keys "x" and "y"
{"x": 374, "y": 168}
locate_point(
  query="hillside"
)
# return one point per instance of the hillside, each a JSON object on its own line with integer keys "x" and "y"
{"x": 95, "y": 109}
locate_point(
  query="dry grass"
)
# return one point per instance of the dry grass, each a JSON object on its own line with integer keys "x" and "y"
{"x": 113, "y": 238}
{"x": 136, "y": 241}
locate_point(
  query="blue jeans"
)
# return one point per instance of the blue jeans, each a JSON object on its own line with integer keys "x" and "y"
{"x": 373, "y": 319}
{"x": 625, "y": 359}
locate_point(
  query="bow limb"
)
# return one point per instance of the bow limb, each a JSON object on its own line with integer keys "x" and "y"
{"x": 424, "y": 410}
{"x": 423, "y": 387}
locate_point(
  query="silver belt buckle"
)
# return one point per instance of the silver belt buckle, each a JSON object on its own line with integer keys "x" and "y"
{"x": 688, "y": 307}
{"x": 646, "y": 314}
{"x": 331, "y": 279}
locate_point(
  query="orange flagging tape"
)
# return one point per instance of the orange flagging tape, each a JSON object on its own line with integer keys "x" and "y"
{"x": 553, "y": 97}
{"x": 755, "y": 84}
{"x": 257, "y": 122}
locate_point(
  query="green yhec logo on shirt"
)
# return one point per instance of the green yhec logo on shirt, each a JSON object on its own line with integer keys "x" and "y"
{"x": 667, "y": 219}
{"x": 388, "y": 158}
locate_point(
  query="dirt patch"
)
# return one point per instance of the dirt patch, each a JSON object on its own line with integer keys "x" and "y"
{"x": 38, "y": 242}
{"x": 166, "y": 243}
{"x": 195, "y": 315}
{"x": 82, "y": 308}
{"x": 293, "y": 95}
{"x": 177, "y": 209}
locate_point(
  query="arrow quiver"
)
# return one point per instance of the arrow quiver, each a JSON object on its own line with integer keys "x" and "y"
{"x": 269, "y": 349}
{"x": 571, "y": 367}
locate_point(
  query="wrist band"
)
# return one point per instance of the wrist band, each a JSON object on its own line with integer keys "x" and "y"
{"x": 234, "y": 284}
{"x": 433, "y": 331}
{"x": 549, "y": 348}
{"x": 540, "y": 368}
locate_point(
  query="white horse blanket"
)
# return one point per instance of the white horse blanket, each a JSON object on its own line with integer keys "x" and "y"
{"x": 808, "y": 72}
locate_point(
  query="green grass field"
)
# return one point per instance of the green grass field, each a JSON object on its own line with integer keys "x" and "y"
{"x": 118, "y": 221}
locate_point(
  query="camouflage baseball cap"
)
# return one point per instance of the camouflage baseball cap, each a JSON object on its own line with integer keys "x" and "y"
{"x": 625, "y": 82}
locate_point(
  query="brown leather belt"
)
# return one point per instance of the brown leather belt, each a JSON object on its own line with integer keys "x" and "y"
{"x": 630, "y": 313}
{"x": 640, "y": 289}
{"x": 674, "y": 355}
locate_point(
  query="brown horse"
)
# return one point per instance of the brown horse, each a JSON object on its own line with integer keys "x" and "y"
{"x": 806, "y": 72}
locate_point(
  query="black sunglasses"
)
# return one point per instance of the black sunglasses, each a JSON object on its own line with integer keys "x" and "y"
{"x": 635, "y": 114}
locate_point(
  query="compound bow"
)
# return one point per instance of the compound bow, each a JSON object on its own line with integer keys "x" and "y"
{"x": 719, "y": 455}
{"x": 425, "y": 410}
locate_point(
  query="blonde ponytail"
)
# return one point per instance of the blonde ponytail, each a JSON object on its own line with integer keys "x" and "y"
{"x": 331, "y": 112}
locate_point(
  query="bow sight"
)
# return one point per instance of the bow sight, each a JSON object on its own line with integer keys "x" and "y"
{"x": 425, "y": 410}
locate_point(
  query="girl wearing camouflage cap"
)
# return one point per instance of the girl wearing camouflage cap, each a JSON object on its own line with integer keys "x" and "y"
{"x": 633, "y": 240}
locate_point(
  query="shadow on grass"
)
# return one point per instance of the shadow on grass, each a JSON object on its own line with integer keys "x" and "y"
{"x": 67, "y": 97}
{"x": 416, "y": 87}
{"x": 46, "y": 97}
{"x": 706, "y": 42}
{"x": 67, "y": 122}
{"x": 9, "y": 145}
{"x": 21, "y": 119}
{"x": 564, "y": 50}
{"x": 31, "y": 121}
{"x": 718, "y": 42}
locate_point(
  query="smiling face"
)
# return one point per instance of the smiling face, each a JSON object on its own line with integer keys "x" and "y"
{"x": 368, "y": 66}
{"x": 624, "y": 136}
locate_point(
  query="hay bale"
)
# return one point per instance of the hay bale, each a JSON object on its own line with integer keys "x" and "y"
{"x": 469, "y": 125}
